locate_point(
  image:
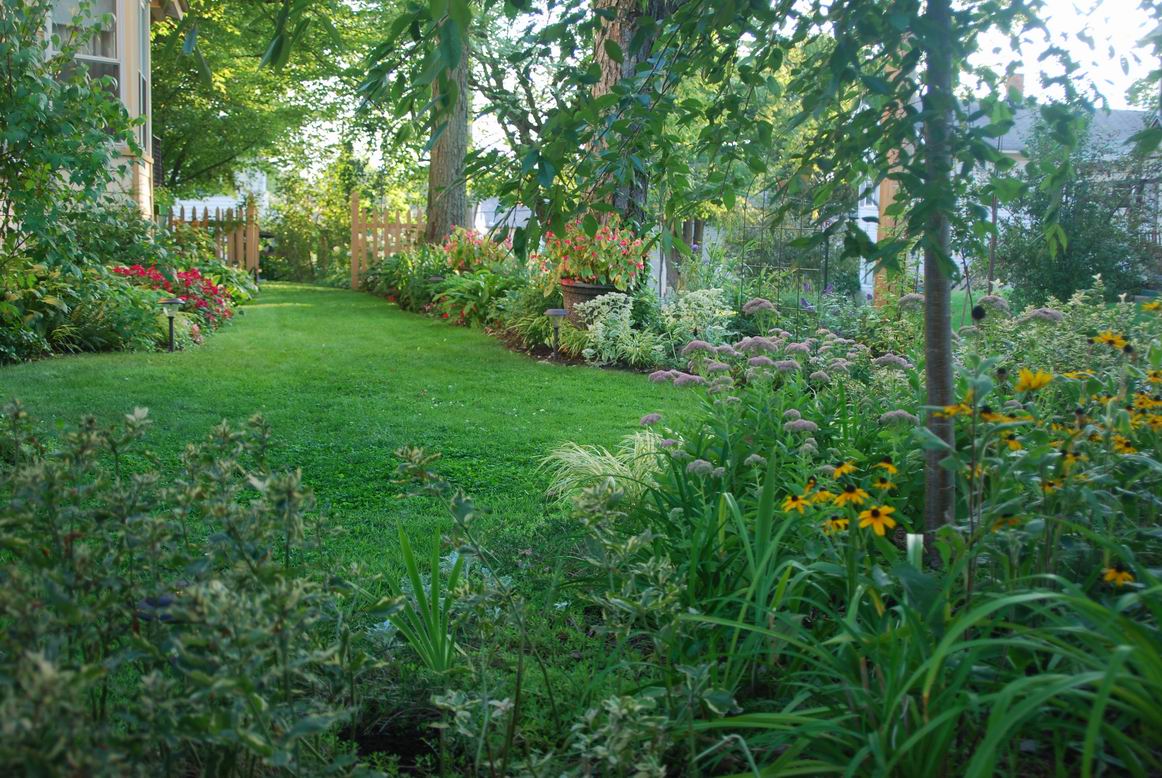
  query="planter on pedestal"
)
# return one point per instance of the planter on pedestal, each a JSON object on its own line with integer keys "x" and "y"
{"x": 577, "y": 292}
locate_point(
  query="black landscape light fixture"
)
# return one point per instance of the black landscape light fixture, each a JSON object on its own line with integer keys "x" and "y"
{"x": 555, "y": 315}
{"x": 171, "y": 306}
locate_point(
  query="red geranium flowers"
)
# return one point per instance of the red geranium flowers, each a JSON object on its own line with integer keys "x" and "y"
{"x": 201, "y": 295}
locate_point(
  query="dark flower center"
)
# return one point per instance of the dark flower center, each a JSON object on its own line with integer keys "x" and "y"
{"x": 875, "y": 513}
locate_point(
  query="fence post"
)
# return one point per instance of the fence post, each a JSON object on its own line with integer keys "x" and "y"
{"x": 251, "y": 236}
{"x": 228, "y": 233}
{"x": 356, "y": 231}
{"x": 233, "y": 238}
{"x": 218, "y": 234}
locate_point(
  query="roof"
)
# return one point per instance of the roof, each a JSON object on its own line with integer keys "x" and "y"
{"x": 160, "y": 9}
{"x": 1114, "y": 127}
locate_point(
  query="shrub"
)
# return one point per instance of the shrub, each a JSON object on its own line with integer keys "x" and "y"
{"x": 199, "y": 295}
{"x": 411, "y": 278}
{"x": 46, "y": 311}
{"x": 610, "y": 337}
{"x": 467, "y": 250}
{"x": 53, "y": 118}
{"x": 471, "y": 297}
{"x": 164, "y": 625}
{"x": 73, "y": 294}
{"x": 1090, "y": 207}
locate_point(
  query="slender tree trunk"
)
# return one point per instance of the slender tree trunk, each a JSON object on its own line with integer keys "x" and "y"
{"x": 939, "y": 495}
{"x": 447, "y": 188}
{"x": 674, "y": 260}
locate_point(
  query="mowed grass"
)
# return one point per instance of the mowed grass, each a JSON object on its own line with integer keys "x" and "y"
{"x": 344, "y": 379}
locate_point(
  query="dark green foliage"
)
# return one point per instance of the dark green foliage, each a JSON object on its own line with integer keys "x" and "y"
{"x": 159, "y": 626}
{"x": 412, "y": 278}
{"x": 60, "y": 130}
{"x": 46, "y": 311}
{"x": 61, "y": 296}
{"x": 1100, "y": 211}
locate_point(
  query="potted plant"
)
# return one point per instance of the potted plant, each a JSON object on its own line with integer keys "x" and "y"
{"x": 590, "y": 264}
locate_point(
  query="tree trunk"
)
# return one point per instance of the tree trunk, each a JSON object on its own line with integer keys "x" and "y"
{"x": 699, "y": 236}
{"x": 674, "y": 261}
{"x": 447, "y": 188}
{"x": 939, "y": 495}
{"x": 629, "y": 197}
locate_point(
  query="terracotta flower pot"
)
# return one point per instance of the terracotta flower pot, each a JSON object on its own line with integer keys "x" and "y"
{"x": 577, "y": 292}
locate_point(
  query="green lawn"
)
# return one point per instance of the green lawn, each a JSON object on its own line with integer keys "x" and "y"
{"x": 345, "y": 379}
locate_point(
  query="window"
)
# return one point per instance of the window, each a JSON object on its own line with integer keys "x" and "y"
{"x": 143, "y": 73}
{"x": 99, "y": 53}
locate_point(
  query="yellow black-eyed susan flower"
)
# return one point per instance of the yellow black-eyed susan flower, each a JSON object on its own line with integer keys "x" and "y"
{"x": 878, "y": 518}
{"x": 1069, "y": 459}
{"x": 883, "y": 483}
{"x": 886, "y": 464}
{"x": 1110, "y": 338}
{"x": 1117, "y": 575}
{"x": 1154, "y": 306}
{"x": 1144, "y": 402}
{"x": 851, "y": 494}
{"x": 989, "y": 415}
{"x": 843, "y": 468}
{"x": 822, "y": 496}
{"x": 795, "y": 502}
{"x": 1010, "y": 439}
{"x": 1123, "y": 445}
{"x": 835, "y": 524}
{"x": 1049, "y": 485}
{"x": 1029, "y": 381}
{"x": 811, "y": 482}
{"x": 952, "y": 411}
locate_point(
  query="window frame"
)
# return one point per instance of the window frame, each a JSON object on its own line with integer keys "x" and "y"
{"x": 119, "y": 38}
{"x": 145, "y": 76}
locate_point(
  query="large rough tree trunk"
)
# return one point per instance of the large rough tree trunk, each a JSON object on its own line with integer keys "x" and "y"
{"x": 629, "y": 198}
{"x": 939, "y": 495}
{"x": 447, "y": 189}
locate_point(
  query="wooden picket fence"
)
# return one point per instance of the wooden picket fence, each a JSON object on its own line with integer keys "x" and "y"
{"x": 376, "y": 234}
{"x": 234, "y": 232}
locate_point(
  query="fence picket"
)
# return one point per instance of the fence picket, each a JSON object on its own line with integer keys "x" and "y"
{"x": 376, "y": 232}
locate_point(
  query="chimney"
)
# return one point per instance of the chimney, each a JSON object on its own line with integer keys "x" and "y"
{"x": 1016, "y": 84}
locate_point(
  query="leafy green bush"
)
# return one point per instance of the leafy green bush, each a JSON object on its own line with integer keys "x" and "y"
{"x": 411, "y": 278}
{"x": 97, "y": 285}
{"x": 467, "y": 250}
{"x": 46, "y": 311}
{"x": 1090, "y": 206}
{"x": 53, "y": 118}
{"x": 164, "y": 625}
{"x": 471, "y": 297}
